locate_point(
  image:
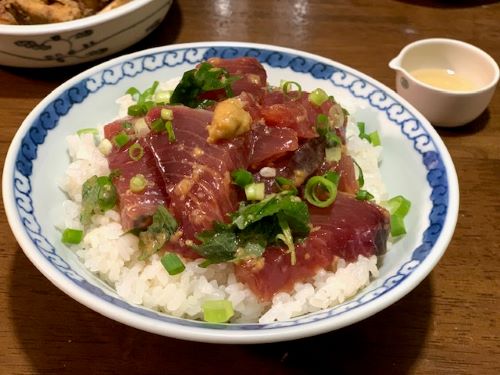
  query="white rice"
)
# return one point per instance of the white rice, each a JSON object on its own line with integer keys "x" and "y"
{"x": 113, "y": 255}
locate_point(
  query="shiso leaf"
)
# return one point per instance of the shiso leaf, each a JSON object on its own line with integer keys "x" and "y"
{"x": 158, "y": 233}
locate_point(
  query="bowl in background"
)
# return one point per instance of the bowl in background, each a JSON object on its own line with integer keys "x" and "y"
{"x": 81, "y": 40}
{"x": 415, "y": 163}
{"x": 463, "y": 79}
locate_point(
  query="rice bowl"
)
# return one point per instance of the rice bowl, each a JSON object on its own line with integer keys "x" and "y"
{"x": 401, "y": 270}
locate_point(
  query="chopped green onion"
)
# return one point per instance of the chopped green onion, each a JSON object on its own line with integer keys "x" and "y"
{"x": 72, "y": 236}
{"x": 255, "y": 191}
{"x": 322, "y": 120}
{"x": 163, "y": 97}
{"x": 106, "y": 197}
{"x": 134, "y": 93}
{"x": 333, "y": 153}
{"x": 398, "y": 207}
{"x": 121, "y": 139}
{"x": 93, "y": 131}
{"x": 332, "y": 176}
{"x": 105, "y": 146}
{"x": 286, "y": 184}
{"x": 287, "y": 86}
{"x": 397, "y": 225}
{"x": 158, "y": 125}
{"x": 127, "y": 125}
{"x": 318, "y": 97}
{"x": 217, "y": 311}
{"x": 364, "y": 195}
{"x": 241, "y": 177}
{"x": 166, "y": 114}
{"x": 170, "y": 131}
{"x": 332, "y": 139}
{"x": 172, "y": 263}
{"x": 361, "y": 179}
{"x": 372, "y": 138}
{"x": 136, "y": 152}
{"x": 138, "y": 183}
{"x": 136, "y": 110}
{"x": 141, "y": 128}
{"x": 327, "y": 187}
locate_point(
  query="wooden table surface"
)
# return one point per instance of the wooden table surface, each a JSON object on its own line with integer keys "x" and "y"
{"x": 447, "y": 325}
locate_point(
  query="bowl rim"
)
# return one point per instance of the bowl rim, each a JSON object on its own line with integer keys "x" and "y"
{"x": 457, "y": 43}
{"x": 60, "y": 27}
{"x": 207, "y": 333}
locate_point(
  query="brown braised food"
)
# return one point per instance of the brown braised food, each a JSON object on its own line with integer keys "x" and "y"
{"x": 32, "y": 12}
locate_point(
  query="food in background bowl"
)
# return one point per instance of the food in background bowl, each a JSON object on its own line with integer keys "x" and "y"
{"x": 32, "y": 12}
{"x": 79, "y": 40}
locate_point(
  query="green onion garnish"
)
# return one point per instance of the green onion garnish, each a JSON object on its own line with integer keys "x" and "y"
{"x": 318, "y": 97}
{"x": 158, "y": 125}
{"x": 372, "y": 138}
{"x": 255, "y": 191}
{"x": 286, "y": 184}
{"x": 93, "y": 131}
{"x": 218, "y": 311}
{"x": 241, "y": 177}
{"x": 136, "y": 110}
{"x": 105, "y": 146}
{"x": 320, "y": 184}
{"x": 72, "y": 236}
{"x": 332, "y": 176}
{"x": 364, "y": 195}
{"x": 163, "y": 97}
{"x": 170, "y": 131}
{"x": 167, "y": 114}
{"x": 397, "y": 226}
{"x": 287, "y": 86}
{"x": 136, "y": 152}
{"x": 361, "y": 179}
{"x": 138, "y": 183}
{"x": 332, "y": 139}
{"x": 121, "y": 139}
{"x": 333, "y": 153}
{"x": 141, "y": 128}
{"x": 172, "y": 263}
{"x": 398, "y": 207}
{"x": 127, "y": 125}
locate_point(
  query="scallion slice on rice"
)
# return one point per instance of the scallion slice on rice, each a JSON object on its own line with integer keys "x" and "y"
{"x": 217, "y": 311}
{"x": 172, "y": 263}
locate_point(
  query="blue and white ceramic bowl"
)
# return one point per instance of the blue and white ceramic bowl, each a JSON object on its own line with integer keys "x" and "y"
{"x": 81, "y": 40}
{"x": 415, "y": 164}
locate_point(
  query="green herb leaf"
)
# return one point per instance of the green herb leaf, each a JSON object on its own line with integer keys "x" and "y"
{"x": 98, "y": 195}
{"x": 203, "y": 79}
{"x": 217, "y": 245}
{"x": 255, "y": 226}
{"x": 158, "y": 233}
